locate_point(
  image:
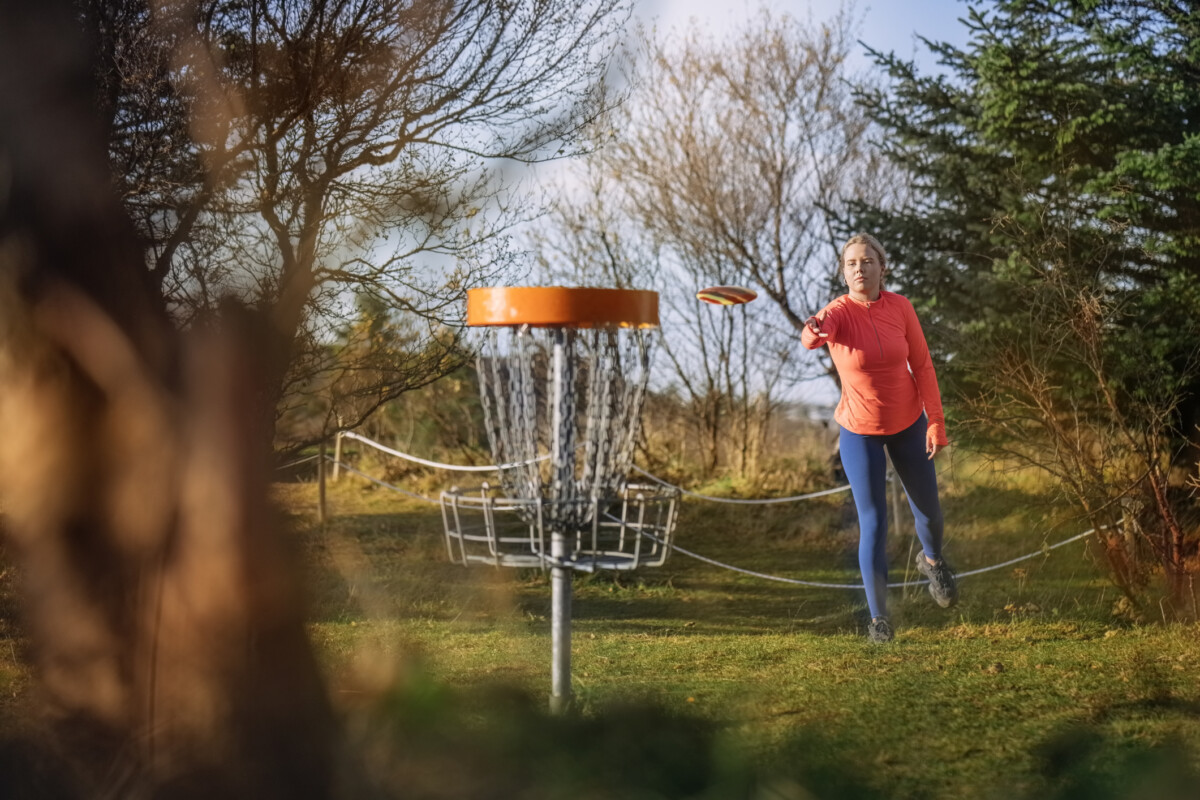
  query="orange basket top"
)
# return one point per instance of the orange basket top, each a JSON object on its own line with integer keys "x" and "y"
{"x": 562, "y": 307}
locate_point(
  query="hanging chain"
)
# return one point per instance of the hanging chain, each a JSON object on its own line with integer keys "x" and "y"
{"x": 602, "y": 378}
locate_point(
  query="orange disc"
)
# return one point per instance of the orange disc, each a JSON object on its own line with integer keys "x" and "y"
{"x": 726, "y": 295}
{"x": 562, "y": 307}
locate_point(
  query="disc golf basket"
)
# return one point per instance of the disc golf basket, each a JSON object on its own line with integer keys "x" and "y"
{"x": 562, "y": 377}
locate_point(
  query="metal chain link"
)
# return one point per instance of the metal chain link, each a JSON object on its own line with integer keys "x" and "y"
{"x": 603, "y": 376}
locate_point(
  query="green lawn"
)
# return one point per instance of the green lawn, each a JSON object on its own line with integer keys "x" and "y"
{"x": 693, "y": 681}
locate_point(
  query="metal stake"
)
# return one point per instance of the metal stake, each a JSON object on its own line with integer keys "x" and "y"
{"x": 563, "y": 459}
{"x": 560, "y": 631}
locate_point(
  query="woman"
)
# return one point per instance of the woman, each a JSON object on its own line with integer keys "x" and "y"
{"x": 890, "y": 402}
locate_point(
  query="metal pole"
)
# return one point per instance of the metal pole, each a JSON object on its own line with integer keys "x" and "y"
{"x": 560, "y": 632}
{"x": 560, "y": 576}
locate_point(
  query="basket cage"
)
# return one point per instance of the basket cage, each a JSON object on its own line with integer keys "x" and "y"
{"x": 561, "y": 405}
{"x": 633, "y": 529}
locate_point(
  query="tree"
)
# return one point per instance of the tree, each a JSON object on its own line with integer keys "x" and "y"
{"x": 163, "y": 616}
{"x": 1050, "y": 240}
{"x": 337, "y": 149}
{"x": 725, "y": 166}
{"x": 361, "y": 366}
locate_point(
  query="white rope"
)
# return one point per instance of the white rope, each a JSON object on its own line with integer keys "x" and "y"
{"x": 905, "y": 584}
{"x": 384, "y": 484}
{"x": 656, "y": 479}
{"x": 756, "y": 502}
{"x": 438, "y": 464}
{"x": 1043, "y": 551}
{"x": 763, "y": 575}
{"x": 298, "y": 461}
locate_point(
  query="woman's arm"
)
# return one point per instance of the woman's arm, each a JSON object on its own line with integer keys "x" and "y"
{"x": 921, "y": 364}
{"x": 819, "y": 329}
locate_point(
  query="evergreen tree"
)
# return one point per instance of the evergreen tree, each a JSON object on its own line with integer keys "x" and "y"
{"x": 1053, "y": 240}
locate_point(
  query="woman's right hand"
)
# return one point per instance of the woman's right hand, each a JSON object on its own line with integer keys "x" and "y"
{"x": 814, "y": 325}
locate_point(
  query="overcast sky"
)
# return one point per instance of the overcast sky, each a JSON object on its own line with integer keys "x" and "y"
{"x": 886, "y": 24}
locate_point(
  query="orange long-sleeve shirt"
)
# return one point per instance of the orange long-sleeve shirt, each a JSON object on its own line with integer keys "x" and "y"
{"x": 881, "y": 356}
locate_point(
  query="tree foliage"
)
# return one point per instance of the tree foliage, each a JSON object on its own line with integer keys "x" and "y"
{"x": 298, "y": 156}
{"x": 1051, "y": 239}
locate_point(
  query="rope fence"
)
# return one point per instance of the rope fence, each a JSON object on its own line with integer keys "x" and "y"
{"x": 298, "y": 462}
{"x": 498, "y": 467}
{"x": 750, "y": 502}
{"x": 437, "y": 464}
{"x": 1045, "y": 549}
{"x": 382, "y": 483}
{"x": 901, "y": 585}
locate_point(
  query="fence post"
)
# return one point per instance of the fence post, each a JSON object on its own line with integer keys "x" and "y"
{"x": 896, "y": 488}
{"x": 321, "y": 483}
{"x": 337, "y": 455}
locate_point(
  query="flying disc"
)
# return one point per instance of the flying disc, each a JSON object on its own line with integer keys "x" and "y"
{"x": 726, "y": 295}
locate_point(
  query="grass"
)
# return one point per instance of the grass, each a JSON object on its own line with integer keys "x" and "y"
{"x": 696, "y": 682}
{"x": 1031, "y": 687}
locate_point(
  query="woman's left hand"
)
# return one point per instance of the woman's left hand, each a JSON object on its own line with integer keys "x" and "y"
{"x": 931, "y": 443}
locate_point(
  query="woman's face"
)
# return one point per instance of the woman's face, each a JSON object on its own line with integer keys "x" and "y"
{"x": 863, "y": 271}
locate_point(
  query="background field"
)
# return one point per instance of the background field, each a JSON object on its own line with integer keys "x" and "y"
{"x": 694, "y": 681}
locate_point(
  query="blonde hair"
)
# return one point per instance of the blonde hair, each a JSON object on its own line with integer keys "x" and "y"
{"x": 869, "y": 241}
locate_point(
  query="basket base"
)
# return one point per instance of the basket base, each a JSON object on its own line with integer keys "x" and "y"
{"x": 625, "y": 532}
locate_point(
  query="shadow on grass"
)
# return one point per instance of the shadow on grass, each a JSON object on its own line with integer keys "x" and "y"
{"x": 424, "y": 741}
{"x": 1082, "y": 763}
{"x": 499, "y": 742}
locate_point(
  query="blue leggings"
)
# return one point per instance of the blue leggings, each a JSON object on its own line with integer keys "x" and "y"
{"x": 866, "y": 469}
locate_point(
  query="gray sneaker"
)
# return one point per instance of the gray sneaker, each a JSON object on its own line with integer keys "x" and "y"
{"x": 880, "y": 630}
{"x": 942, "y": 584}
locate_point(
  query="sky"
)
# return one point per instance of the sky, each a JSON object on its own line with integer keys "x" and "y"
{"x": 886, "y": 24}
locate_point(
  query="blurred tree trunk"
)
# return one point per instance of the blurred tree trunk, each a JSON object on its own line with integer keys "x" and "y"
{"x": 164, "y": 615}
